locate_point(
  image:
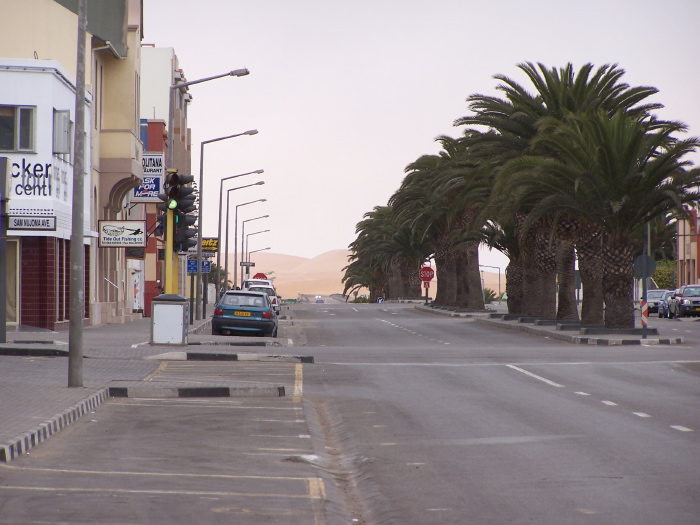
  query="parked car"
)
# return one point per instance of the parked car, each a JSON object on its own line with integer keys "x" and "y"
{"x": 663, "y": 303}
{"x": 255, "y": 282}
{"x": 686, "y": 301}
{"x": 271, "y": 293}
{"x": 244, "y": 312}
{"x": 653, "y": 300}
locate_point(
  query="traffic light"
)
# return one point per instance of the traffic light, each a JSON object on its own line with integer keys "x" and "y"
{"x": 184, "y": 229}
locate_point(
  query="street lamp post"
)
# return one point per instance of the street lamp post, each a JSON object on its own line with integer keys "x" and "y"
{"x": 255, "y": 251}
{"x": 499, "y": 277}
{"x": 171, "y": 105}
{"x": 171, "y": 136}
{"x": 243, "y": 239}
{"x": 246, "y": 249}
{"x": 235, "y": 273}
{"x": 218, "y": 244}
{"x": 199, "y": 306}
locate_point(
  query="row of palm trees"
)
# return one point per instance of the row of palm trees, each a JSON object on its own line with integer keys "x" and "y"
{"x": 568, "y": 172}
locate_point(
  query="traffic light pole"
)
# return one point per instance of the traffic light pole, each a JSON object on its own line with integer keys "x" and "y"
{"x": 169, "y": 232}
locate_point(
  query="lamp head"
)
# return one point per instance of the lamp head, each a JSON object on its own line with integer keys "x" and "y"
{"x": 251, "y": 132}
{"x": 239, "y": 72}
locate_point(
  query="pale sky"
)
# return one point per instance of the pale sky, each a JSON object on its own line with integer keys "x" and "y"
{"x": 346, "y": 93}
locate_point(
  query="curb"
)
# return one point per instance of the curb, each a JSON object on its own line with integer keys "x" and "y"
{"x": 224, "y": 356}
{"x": 24, "y": 442}
{"x": 577, "y": 339}
{"x": 133, "y": 389}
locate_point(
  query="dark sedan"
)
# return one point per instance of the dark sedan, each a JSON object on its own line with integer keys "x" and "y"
{"x": 244, "y": 313}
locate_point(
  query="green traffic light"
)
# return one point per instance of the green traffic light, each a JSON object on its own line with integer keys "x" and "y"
{"x": 172, "y": 204}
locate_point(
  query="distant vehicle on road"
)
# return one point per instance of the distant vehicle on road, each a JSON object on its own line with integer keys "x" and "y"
{"x": 244, "y": 313}
{"x": 653, "y": 300}
{"x": 663, "y": 304}
{"x": 271, "y": 293}
{"x": 319, "y": 299}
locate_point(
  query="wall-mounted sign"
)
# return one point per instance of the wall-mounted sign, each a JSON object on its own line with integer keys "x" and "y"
{"x": 152, "y": 179}
{"x": 122, "y": 234}
{"x": 31, "y": 223}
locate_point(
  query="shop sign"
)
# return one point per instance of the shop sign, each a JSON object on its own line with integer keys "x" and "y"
{"x": 210, "y": 244}
{"x": 152, "y": 185}
{"x": 122, "y": 234}
{"x": 31, "y": 223}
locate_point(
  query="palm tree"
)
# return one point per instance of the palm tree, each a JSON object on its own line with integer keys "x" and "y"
{"x": 613, "y": 173}
{"x": 511, "y": 124}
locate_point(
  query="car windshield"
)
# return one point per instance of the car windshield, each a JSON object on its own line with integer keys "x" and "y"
{"x": 243, "y": 300}
{"x": 655, "y": 294}
{"x": 691, "y": 291}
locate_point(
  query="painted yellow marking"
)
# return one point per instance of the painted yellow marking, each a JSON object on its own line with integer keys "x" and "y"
{"x": 298, "y": 381}
{"x": 145, "y": 491}
{"x": 153, "y": 474}
{"x": 317, "y": 490}
{"x": 157, "y": 371}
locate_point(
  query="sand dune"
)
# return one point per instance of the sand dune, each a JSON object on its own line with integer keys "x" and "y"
{"x": 320, "y": 275}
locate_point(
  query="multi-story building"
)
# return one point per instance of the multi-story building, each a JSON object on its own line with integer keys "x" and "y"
{"x": 37, "y": 104}
{"x": 688, "y": 244}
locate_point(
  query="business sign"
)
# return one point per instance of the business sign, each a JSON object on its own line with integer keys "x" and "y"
{"x": 122, "y": 234}
{"x": 210, "y": 244}
{"x": 31, "y": 223}
{"x": 152, "y": 185}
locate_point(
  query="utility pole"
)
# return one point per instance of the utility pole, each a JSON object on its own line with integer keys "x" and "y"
{"x": 77, "y": 251}
{"x": 4, "y": 197}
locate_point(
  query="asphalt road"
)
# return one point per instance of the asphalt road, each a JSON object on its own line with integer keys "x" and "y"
{"x": 405, "y": 417}
{"x": 446, "y": 421}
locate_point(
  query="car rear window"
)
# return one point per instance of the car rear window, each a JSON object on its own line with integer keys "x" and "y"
{"x": 243, "y": 300}
{"x": 268, "y": 291}
{"x": 691, "y": 291}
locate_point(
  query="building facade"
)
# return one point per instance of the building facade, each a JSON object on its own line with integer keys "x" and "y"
{"x": 37, "y": 102}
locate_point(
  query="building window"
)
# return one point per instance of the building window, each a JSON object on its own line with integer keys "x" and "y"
{"x": 16, "y": 128}
{"x": 61, "y": 131}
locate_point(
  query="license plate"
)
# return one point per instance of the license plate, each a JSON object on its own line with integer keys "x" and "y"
{"x": 241, "y": 314}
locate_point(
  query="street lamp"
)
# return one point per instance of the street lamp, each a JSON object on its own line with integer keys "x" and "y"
{"x": 499, "y": 277}
{"x": 199, "y": 303}
{"x": 171, "y": 116}
{"x": 235, "y": 240}
{"x": 235, "y": 273}
{"x": 171, "y": 105}
{"x": 246, "y": 247}
{"x": 218, "y": 244}
{"x": 243, "y": 238}
{"x": 254, "y": 251}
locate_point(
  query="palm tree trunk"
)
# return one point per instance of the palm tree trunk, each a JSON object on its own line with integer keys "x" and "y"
{"x": 446, "y": 278}
{"x": 514, "y": 287}
{"x": 566, "y": 267}
{"x": 618, "y": 281}
{"x": 475, "y": 297}
{"x": 590, "y": 264}
{"x": 547, "y": 269}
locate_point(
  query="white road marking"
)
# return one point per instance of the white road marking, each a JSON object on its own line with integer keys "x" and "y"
{"x": 609, "y": 403}
{"x": 535, "y": 376}
{"x": 387, "y": 444}
{"x": 681, "y": 428}
{"x": 641, "y": 414}
{"x": 582, "y": 393}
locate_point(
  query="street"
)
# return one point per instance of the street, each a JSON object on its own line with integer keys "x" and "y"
{"x": 457, "y": 423}
{"x": 403, "y": 417}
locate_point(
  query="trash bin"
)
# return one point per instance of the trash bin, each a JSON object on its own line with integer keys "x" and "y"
{"x": 169, "y": 320}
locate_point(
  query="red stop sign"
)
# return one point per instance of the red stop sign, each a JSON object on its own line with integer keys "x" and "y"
{"x": 259, "y": 275}
{"x": 426, "y": 273}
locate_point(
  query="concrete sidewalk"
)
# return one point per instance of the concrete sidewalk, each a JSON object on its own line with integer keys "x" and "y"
{"x": 35, "y": 401}
{"x": 562, "y": 331}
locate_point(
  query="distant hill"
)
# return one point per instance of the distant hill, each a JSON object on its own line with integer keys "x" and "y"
{"x": 321, "y": 275}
